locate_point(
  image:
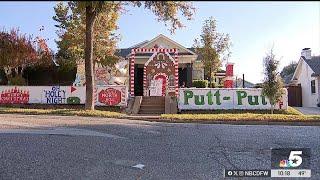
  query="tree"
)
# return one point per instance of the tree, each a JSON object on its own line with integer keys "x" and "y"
{"x": 19, "y": 51}
{"x": 272, "y": 86}
{"x": 288, "y": 71}
{"x": 213, "y": 47}
{"x": 96, "y": 12}
{"x": 71, "y": 32}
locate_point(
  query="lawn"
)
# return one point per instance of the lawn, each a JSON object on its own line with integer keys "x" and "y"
{"x": 290, "y": 115}
{"x": 289, "y": 111}
{"x": 242, "y": 115}
{"x": 66, "y": 112}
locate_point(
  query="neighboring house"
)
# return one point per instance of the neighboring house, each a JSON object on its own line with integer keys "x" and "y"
{"x": 219, "y": 78}
{"x": 238, "y": 83}
{"x": 307, "y": 75}
{"x": 197, "y": 71}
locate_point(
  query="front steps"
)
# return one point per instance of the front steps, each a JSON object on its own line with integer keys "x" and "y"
{"x": 152, "y": 105}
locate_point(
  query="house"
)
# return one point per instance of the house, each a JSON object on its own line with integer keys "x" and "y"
{"x": 219, "y": 77}
{"x": 159, "y": 62}
{"x": 238, "y": 83}
{"x": 148, "y": 64}
{"x": 307, "y": 75}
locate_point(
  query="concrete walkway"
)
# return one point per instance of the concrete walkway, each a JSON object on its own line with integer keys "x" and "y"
{"x": 309, "y": 110}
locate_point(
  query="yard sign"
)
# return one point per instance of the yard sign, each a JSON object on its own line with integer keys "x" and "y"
{"x": 226, "y": 98}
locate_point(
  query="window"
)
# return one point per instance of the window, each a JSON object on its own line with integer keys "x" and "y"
{"x": 313, "y": 86}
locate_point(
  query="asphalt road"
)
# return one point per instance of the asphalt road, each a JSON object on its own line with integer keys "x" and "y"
{"x": 56, "y": 147}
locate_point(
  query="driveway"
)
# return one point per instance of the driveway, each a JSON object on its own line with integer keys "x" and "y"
{"x": 60, "y": 147}
{"x": 309, "y": 110}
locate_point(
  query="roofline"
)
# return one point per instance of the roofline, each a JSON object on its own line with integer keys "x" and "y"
{"x": 300, "y": 61}
{"x": 295, "y": 71}
{"x": 193, "y": 56}
{"x": 139, "y": 44}
{"x": 172, "y": 41}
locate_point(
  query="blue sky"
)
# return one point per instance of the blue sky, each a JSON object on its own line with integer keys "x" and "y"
{"x": 253, "y": 27}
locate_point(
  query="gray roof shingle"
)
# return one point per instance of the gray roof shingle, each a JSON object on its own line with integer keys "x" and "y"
{"x": 123, "y": 52}
{"x": 314, "y": 64}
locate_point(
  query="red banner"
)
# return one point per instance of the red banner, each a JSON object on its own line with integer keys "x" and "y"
{"x": 109, "y": 96}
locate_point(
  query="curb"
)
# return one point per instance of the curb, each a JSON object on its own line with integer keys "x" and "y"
{"x": 229, "y": 122}
{"x": 199, "y": 121}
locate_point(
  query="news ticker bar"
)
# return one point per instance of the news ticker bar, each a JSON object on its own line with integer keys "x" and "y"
{"x": 268, "y": 173}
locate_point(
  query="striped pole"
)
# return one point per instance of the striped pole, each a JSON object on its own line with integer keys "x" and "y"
{"x": 145, "y": 80}
{"x": 176, "y": 71}
{"x": 132, "y": 72}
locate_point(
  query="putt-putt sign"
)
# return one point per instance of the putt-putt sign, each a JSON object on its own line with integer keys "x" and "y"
{"x": 222, "y": 98}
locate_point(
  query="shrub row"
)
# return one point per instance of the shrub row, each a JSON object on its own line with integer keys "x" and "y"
{"x": 204, "y": 84}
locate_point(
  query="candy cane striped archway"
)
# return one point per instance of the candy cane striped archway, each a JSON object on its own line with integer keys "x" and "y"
{"x": 135, "y": 51}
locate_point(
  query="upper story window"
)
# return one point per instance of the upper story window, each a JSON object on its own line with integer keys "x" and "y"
{"x": 313, "y": 86}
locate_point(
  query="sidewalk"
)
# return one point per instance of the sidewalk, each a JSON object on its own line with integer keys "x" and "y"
{"x": 145, "y": 117}
{"x": 309, "y": 110}
{"x": 157, "y": 118}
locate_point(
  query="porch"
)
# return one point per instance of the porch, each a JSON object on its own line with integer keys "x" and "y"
{"x": 184, "y": 74}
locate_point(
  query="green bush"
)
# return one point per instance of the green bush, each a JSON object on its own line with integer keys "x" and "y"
{"x": 63, "y": 75}
{"x": 200, "y": 83}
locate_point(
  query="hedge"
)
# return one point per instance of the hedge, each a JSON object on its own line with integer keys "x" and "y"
{"x": 51, "y": 75}
{"x": 200, "y": 83}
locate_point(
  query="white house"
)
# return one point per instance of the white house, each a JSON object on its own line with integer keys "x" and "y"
{"x": 307, "y": 74}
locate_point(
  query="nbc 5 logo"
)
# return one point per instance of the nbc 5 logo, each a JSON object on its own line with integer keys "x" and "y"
{"x": 294, "y": 160}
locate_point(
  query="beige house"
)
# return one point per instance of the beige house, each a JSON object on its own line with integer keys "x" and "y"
{"x": 189, "y": 67}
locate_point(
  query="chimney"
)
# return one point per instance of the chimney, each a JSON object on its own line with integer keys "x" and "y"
{"x": 306, "y": 53}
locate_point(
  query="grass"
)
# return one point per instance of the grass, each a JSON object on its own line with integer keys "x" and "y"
{"x": 240, "y": 117}
{"x": 61, "y": 106}
{"x": 290, "y": 110}
{"x": 234, "y": 115}
{"x": 66, "y": 112}
{"x": 290, "y": 115}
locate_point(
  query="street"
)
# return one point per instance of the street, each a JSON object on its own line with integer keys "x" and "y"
{"x": 61, "y": 147}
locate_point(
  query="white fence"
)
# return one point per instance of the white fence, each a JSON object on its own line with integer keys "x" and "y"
{"x": 226, "y": 98}
{"x": 104, "y": 95}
